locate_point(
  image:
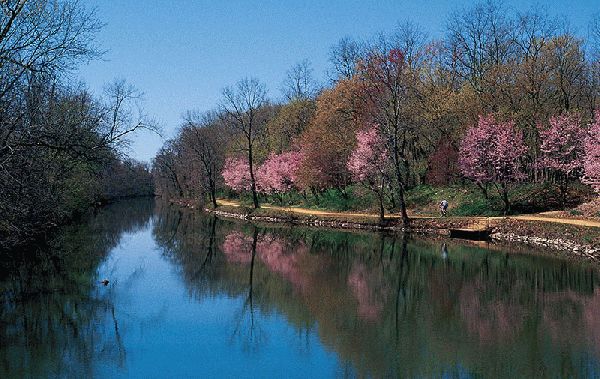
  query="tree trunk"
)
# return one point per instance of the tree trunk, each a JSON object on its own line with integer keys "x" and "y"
{"x": 213, "y": 193}
{"x": 405, "y": 219}
{"x": 213, "y": 198}
{"x": 399, "y": 179}
{"x": 563, "y": 192}
{"x": 381, "y": 195}
{"x": 483, "y": 190}
{"x": 381, "y": 210}
{"x": 503, "y": 191}
{"x": 252, "y": 180}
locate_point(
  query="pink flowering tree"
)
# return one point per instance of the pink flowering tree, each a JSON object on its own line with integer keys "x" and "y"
{"x": 491, "y": 154}
{"x": 591, "y": 163}
{"x": 369, "y": 162}
{"x": 279, "y": 173}
{"x": 562, "y": 149}
{"x": 236, "y": 174}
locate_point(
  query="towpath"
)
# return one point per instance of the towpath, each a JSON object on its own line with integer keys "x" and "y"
{"x": 553, "y": 217}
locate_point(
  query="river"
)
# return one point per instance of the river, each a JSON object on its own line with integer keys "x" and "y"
{"x": 191, "y": 295}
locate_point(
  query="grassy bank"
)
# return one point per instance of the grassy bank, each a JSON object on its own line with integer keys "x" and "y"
{"x": 464, "y": 200}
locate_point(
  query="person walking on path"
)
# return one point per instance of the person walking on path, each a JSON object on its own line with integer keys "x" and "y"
{"x": 443, "y": 208}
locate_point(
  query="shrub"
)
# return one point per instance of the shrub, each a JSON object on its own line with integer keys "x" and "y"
{"x": 478, "y": 207}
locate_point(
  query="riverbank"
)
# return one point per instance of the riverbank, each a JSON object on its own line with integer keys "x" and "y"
{"x": 574, "y": 238}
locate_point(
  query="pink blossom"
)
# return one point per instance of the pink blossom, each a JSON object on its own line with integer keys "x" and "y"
{"x": 491, "y": 152}
{"x": 369, "y": 159}
{"x": 591, "y": 164}
{"x": 562, "y": 145}
{"x": 236, "y": 173}
{"x": 279, "y": 173}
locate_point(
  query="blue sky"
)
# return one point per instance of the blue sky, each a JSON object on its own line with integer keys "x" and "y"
{"x": 181, "y": 53}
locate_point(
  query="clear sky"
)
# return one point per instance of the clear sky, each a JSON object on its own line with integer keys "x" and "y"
{"x": 181, "y": 53}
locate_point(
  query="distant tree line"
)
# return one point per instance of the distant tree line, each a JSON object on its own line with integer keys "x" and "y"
{"x": 503, "y": 97}
{"x": 61, "y": 149}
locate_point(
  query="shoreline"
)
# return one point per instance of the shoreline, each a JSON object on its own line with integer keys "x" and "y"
{"x": 560, "y": 239}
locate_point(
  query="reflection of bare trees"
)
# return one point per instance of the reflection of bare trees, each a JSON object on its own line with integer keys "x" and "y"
{"x": 55, "y": 319}
{"x": 210, "y": 252}
{"x": 247, "y": 329}
{"x": 402, "y": 283}
{"x": 119, "y": 342}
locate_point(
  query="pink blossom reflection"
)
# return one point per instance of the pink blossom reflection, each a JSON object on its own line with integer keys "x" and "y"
{"x": 491, "y": 322}
{"x": 369, "y": 307}
{"x": 284, "y": 258}
{"x": 237, "y": 248}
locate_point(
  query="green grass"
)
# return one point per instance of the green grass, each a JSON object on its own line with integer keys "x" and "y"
{"x": 464, "y": 200}
{"x": 351, "y": 198}
{"x": 468, "y": 200}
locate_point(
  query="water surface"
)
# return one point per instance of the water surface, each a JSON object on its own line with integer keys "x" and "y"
{"x": 191, "y": 295}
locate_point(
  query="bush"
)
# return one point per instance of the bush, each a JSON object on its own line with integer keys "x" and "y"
{"x": 352, "y": 198}
{"x": 478, "y": 207}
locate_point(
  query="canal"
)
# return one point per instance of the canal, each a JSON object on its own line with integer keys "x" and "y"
{"x": 191, "y": 295}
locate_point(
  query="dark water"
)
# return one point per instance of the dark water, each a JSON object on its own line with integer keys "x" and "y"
{"x": 194, "y": 296}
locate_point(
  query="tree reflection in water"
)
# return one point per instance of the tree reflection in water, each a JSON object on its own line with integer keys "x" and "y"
{"x": 55, "y": 318}
{"x": 389, "y": 305}
{"x": 383, "y": 304}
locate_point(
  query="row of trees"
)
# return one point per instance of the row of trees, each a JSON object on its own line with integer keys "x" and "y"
{"x": 61, "y": 149}
{"x": 402, "y": 109}
{"x": 495, "y": 153}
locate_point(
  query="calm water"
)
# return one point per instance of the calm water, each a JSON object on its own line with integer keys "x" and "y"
{"x": 195, "y": 296}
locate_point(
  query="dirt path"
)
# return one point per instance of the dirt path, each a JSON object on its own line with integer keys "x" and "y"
{"x": 476, "y": 220}
{"x": 590, "y": 223}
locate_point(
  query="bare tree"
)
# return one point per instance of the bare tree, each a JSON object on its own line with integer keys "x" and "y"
{"x": 565, "y": 58}
{"x": 479, "y": 39}
{"x": 409, "y": 38}
{"x": 204, "y": 140}
{"x": 241, "y": 108}
{"x": 122, "y": 114}
{"x": 299, "y": 83}
{"x": 39, "y": 41}
{"x": 165, "y": 170}
{"x": 43, "y": 36}
{"x": 391, "y": 82}
{"x": 344, "y": 56}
